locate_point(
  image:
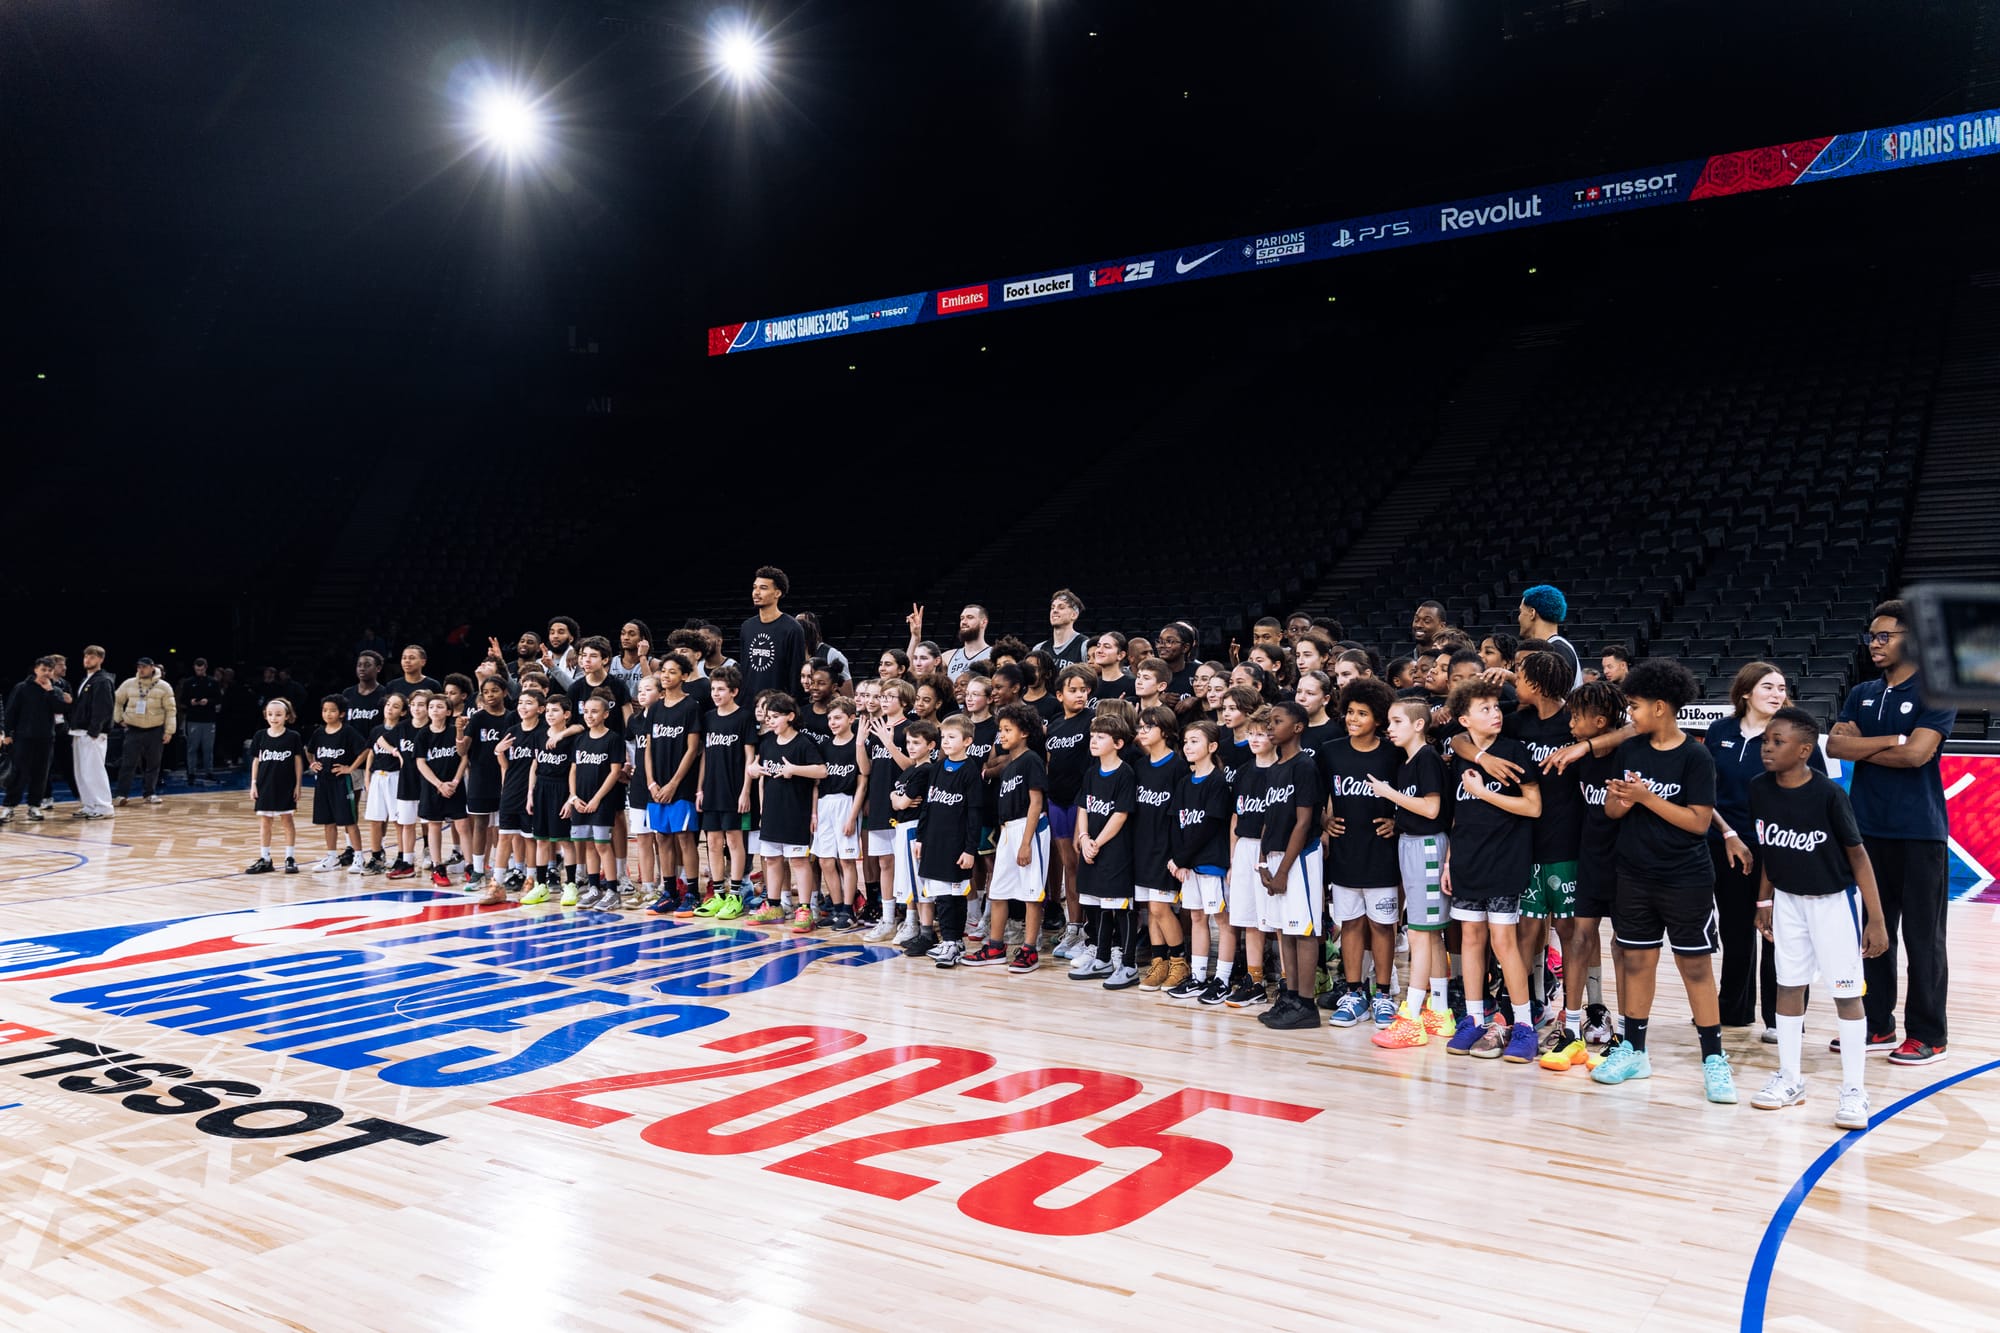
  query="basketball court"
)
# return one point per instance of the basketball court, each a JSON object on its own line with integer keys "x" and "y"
{"x": 329, "y": 1102}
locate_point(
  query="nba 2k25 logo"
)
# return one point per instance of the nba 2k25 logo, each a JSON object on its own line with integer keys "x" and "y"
{"x": 1121, "y": 273}
{"x": 1387, "y": 231}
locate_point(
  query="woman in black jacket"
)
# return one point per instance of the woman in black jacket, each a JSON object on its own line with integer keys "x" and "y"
{"x": 29, "y": 731}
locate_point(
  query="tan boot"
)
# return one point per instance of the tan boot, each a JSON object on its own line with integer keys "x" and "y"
{"x": 1177, "y": 972}
{"x": 1156, "y": 975}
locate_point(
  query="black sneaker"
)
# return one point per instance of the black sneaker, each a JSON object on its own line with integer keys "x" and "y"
{"x": 921, "y": 944}
{"x": 1213, "y": 992}
{"x": 1189, "y": 989}
{"x": 35, "y": 815}
{"x": 347, "y": 858}
{"x": 1914, "y": 1052}
{"x": 260, "y": 866}
{"x": 1290, "y": 1014}
{"x": 1245, "y": 992}
{"x": 291, "y": 866}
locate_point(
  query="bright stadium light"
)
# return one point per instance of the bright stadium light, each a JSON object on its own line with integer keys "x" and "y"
{"x": 508, "y": 122}
{"x": 740, "y": 55}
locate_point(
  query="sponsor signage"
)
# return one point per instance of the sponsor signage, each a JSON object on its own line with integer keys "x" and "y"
{"x": 1920, "y": 143}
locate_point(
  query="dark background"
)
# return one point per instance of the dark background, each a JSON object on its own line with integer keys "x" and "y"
{"x": 256, "y": 277}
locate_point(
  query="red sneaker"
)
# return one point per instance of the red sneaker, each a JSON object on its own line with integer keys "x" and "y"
{"x": 1025, "y": 960}
{"x": 988, "y": 954}
{"x": 439, "y": 878}
{"x": 1879, "y": 1043}
{"x": 1914, "y": 1052}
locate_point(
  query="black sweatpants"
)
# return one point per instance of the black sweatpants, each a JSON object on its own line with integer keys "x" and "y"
{"x": 141, "y": 755}
{"x": 31, "y": 770}
{"x": 1749, "y": 963}
{"x": 1914, "y": 879}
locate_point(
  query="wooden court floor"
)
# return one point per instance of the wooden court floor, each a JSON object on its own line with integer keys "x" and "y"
{"x": 331, "y": 1102}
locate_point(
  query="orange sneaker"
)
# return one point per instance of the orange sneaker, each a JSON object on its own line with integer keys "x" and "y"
{"x": 802, "y": 921}
{"x": 1439, "y": 1024}
{"x": 1401, "y": 1034}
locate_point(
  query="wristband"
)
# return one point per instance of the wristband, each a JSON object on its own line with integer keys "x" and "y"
{"x": 1765, "y": 903}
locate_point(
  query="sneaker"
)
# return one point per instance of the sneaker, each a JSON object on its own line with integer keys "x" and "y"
{"x": 36, "y": 816}
{"x": 537, "y": 894}
{"x": 1214, "y": 991}
{"x": 949, "y": 953}
{"x": 1026, "y": 960}
{"x": 1853, "y": 1110}
{"x": 1566, "y": 1054}
{"x": 1470, "y": 1030}
{"x": 770, "y": 914}
{"x": 586, "y": 897}
{"x": 1777, "y": 1093}
{"x": 402, "y": 870}
{"x": 1621, "y": 1063}
{"x": 937, "y": 950}
{"x": 568, "y": 898}
{"x": 1914, "y": 1052}
{"x": 1156, "y": 974}
{"x": 881, "y": 932}
{"x": 906, "y": 929}
{"x": 346, "y": 857}
{"x": 291, "y": 866}
{"x": 1123, "y": 975}
{"x": 1520, "y": 1045}
{"x": 1347, "y": 1010}
{"x": 6, "y": 815}
{"x": 988, "y": 954}
{"x": 375, "y": 865}
{"x": 260, "y": 866}
{"x": 1178, "y": 974}
{"x": 1081, "y": 960}
{"x": 920, "y": 944}
{"x": 353, "y": 866}
{"x": 803, "y": 922}
{"x": 1402, "y": 1033}
{"x": 1718, "y": 1081}
{"x": 1769, "y": 1036}
{"x": 843, "y": 920}
{"x": 631, "y": 897}
{"x": 1087, "y": 966}
{"x": 440, "y": 879}
{"x": 731, "y": 909}
{"x": 1071, "y": 941}
{"x": 709, "y": 907}
{"x": 1291, "y": 1014}
{"x": 1879, "y": 1043}
{"x": 1245, "y": 992}
{"x": 668, "y": 905}
{"x": 1493, "y": 1042}
{"x": 1439, "y": 1024}
{"x": 1383, "y": 1009}
{"x": 1188, "y": 987}
{"x": 1597, "y": 1025}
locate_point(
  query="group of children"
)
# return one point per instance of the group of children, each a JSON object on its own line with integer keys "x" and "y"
{"x": 945, "y": 815}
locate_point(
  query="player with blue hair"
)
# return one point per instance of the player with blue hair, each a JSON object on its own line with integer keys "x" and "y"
{"x": 1543, "y": 610}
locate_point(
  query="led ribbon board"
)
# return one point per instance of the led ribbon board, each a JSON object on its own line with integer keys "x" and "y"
{"x": 1920, "y": 143}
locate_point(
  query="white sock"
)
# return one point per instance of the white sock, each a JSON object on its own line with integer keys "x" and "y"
{"x": 291, "y": 854}
{"x": 1791, "y": 1044}
{"x": 1477, "y": 1009}
{"x": 1222, "y": 969}
{"x": 621, "y": 867}
{"x": 267, "y": 853}
{"x": 1199, "y": 963}
{"x": 1440, "y": 993}
{"x": 1853, "y": 1049}
{"x": 479, "y": 863}
{"x": 1415, "y": 1004}
{"x": 1573, "y": 1022}
{"x": 1593, "y": 986}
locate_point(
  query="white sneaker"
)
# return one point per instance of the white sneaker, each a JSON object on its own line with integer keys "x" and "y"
{"x": 156, "y": 800}
{"x": 331, "y": 861}
{"x": 907, "y": 929}
{"x": 882, "y": 930}
{"x": 358, "y": 866}
{"x": 1072, "y": 940}
{"x": 1777, "y": 1093}
{"x": 1121, "y": 978}
{"x": 1853, "y": 1110}
{"x": 1083, "y": 963}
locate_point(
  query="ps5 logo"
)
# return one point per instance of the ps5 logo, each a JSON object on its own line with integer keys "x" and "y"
{"x": 1383, "y": 232}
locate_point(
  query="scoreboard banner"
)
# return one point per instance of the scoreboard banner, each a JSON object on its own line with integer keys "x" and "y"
{"x": 1920, "y": 143}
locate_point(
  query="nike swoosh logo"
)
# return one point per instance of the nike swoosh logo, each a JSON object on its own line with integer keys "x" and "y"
{"x": 1182, "y": 265}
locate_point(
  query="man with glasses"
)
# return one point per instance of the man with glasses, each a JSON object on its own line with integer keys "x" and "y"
{"x": 1893, "y": 739}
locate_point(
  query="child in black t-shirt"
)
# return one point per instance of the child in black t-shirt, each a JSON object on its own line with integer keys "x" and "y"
{"x": 722, "y": 795}
{"x": 277, "y": 768}
{"x": 485, "y": 724}
{"x": 1252, "y": 759}
{"x": 947, "y": 841}
{"x": 883, "y": 734}
{"x": 1596, "y": 716}
{"x": 1200, "y": 859}
{"x": 1021, "y": 849}
{"x": 1068, "y": 748}
{"x": 1817, "y": 884}
{"x": 334, "y": 751}
{"x": 673, "y": 756}
{"x": 1362, "y": 869}
{"x": 906, "y": 800}
{"x": 381, "y": 768}
{"x": 1485, "y": 869}
{"x": 1664, "y": 799}
{"x": 1418, "y": 794}
{"x": 598, "y": 760}
{"x": 789, "y": 769}
{"x": 837, "y": 810}
{"x": 441, "y": 746}
{"x": 548, "y": 797}
{"x": 1105, "y": 803}
{"x": 1158, "y": 775}
{"x": 409, "y": 789}
{"x": 1292, "y": 868}
{"x": 516, "y": 756}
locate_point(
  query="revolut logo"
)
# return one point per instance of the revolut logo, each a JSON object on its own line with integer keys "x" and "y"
{"x": 1035, "y": 288}
{"x": 1509, "y": 210}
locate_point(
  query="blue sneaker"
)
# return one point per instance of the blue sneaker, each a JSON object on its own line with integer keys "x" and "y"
{"x": 1717, "y": 1080}
{"x": 1347, "y": 1012}
{"x": 1382, "y": 1009}
{"x": 1522, "y": 1048}
{"x": 668, "y": 904}
{"x": 1469, "y": 1031}
{"x": 1621, "y": 1062}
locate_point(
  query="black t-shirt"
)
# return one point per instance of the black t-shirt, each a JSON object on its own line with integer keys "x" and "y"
{"x": 1650, "y": 847}
{"x": 1803, "y": 834}
{"x": 1048, "y": 707}
{"x": 277, "y": 771}
{"x": 1559, "y": 829}
{"x": 814, "y": 724}
{"x": 1102, "y": 796}
{"x": 1152, "y": 823}
{"x": 1068, "y": 746}
{"x": 1492, "y": 850}
{"x": 1182, "y": 682}
{"x": 1597, "y": 861}
{"x": 1291, "y": 785}
{"x": 482, "y": 768}
{"x": 597, "y": 758}
{"x": 723, "y": 739}
{"x": 843, "y": 773}
{"x": 364, "y": 711}
{"x": 1119, "y": 688}
{"x": 671, "y": 731}
{"x": 1361, "y": 858}
{"x": 1071, "y": 653}
{"x": 404, "y": 687}
{"x": 883, "y": 770}
{"x": 519, "y": 745}
{"x": 1233, "y": 757}
{"x": 343, "y": 746}
{"x": 985, "y": 735}
{"x": 1422, "y": 774}
{"x": 581, "y": 689}
{"x": 383, "y": 756}
{"x": 772, "y": 656}
{"x": 1314, "y": 743}
{"x": 1201, "y": 817}
{"x": 787, "y": 803}
{"x": 949, "y": 825}
{"x": 439, "y": 749}
{"x": 914, "y": 782}
{"x": 552, "y": 765}
{"x": 637, "y": 794}
{"x": 1022, "y": 777}
{"x": 411, "y": 784}
{"x": 1249, "y": 788}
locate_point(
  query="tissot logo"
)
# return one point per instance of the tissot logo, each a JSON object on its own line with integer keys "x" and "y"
{"x": 960, "y": 299}
{"x": 1638, "y": 187}
{"x": 1509, "y": 209}
{"x": 1033, "y": 288}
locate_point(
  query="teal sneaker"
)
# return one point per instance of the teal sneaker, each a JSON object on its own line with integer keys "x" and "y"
{"x": 1717, "y": 1080}
{"x": 1621, "y": 1062}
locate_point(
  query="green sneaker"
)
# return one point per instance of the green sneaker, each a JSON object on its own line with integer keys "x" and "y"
{"x": 712, "y": 905}
{"x": 1717, "y": 1081}
{"x": 1621, "y": 1062}
{"x": 569, "y": 895}
{"x": 731, "y": 909}
{"x": 538, "y": 894}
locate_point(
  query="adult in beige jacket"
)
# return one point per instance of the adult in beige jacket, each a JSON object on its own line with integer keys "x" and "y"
{"x": 144, "y": 709}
